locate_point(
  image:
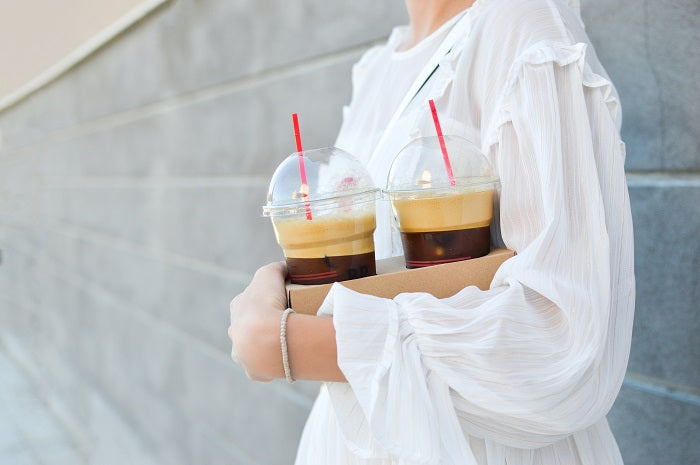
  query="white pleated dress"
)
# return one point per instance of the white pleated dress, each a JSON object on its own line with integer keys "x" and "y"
{"x": 523, "y": 373}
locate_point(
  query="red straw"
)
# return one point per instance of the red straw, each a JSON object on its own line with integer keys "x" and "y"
{"x": 302, "y": 169}
{"x": 441, "y": 138}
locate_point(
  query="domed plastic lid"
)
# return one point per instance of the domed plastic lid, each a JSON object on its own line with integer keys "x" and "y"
{"x": 420, "y": 170}
{"x": 335, "y": 179}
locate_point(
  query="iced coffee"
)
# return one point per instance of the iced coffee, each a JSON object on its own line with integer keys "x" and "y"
{"x": 442, "y": 220}
{"x": 445, "y": 229}
{"x": 335, "y": 247}
{"x": 327, "y": 234}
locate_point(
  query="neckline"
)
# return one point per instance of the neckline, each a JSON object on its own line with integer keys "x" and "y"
{"x": 399, "y": 36}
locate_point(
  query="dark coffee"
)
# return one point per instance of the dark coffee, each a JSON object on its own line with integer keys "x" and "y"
{"x": 330, "y": 269}
{"x": 436, "y": 247}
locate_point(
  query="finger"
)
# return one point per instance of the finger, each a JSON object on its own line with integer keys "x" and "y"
{"x": 285, "y": 270}
{"x": 233, "y": 306}
{"x": 271, "y": 275}
{"x": 273, "y": 270}
{"x": 256, "y": 377}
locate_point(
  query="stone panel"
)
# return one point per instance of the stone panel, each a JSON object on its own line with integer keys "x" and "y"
{"x": 621, "y": 49}
{"x": 189, "y": 45}
{"x": 252, "y": 415}
{"x": 180, "y": 384}
{"x": 665, "y": 341}
{"x": 218, "y": 225}
{"x": 165, "y": 383}
{"x": 221, "y": 226}
{"x": 121, "y": 212}
{"x": 644, "y": 47}
{"x": 215, "y": 447}
{"x": 21, "y": 279}
{"x": 653, "y": 430}
{"x": 193, "y": 301}
{"x": 98, "y": 432}
{"x": 673, "y": 26}
{"x": 245, "y": 132}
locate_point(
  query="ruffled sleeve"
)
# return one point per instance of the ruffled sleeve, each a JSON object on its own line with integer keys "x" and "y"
{"x": 542, "y": 354}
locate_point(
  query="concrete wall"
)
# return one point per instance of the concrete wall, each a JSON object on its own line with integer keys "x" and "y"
{"x": 129, "y": 216}
{"x": 646, "y": 49}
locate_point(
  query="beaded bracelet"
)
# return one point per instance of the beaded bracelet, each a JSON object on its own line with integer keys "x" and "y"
{"x": 283, "y": 343}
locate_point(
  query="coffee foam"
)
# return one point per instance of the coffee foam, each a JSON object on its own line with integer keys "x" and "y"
{"x": 327, "y": 235}
{"x": 471, "y": 209}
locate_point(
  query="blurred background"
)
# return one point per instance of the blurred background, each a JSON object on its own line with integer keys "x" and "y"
{"x": 137, "y": 139}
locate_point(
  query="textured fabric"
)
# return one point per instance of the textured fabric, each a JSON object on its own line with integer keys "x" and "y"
{"x": 575, "y": 6}
{"x": 523, "y": 373}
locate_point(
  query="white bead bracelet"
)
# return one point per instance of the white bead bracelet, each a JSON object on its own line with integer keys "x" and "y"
{"x": 283, "y": 343}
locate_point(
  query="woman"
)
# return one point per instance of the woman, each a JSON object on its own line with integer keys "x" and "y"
{"x": 525, "y": 372}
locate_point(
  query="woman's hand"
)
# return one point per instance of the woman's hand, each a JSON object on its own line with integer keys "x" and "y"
{"x": 255, "y": 333}
{"x": 255, "y": 323}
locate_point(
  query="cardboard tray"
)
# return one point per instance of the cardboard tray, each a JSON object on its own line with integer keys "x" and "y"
{"x": 393, "y": 278}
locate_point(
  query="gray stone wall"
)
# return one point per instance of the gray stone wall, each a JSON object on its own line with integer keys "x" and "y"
{"x": 130, "y": 193}
{"x": 647, "y": 48}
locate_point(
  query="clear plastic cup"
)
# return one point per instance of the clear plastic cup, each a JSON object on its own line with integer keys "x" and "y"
{"x": 440, "y": 222}
{"x": 336, "y": 243}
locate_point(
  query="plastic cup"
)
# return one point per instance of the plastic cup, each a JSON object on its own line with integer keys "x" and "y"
{"x": 440, "y": 222}
{"x": 337, "y": 243}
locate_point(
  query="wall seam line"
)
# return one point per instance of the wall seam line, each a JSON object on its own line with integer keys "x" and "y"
{"x": 662, "y": 388}
{"x": 195, "y": 96}
{"x": 147, "y": 317}
{"x": 119, "y": 243}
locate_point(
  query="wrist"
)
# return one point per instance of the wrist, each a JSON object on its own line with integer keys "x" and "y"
{"x": 273, "y": 365}
{"x": 259, "y": 347}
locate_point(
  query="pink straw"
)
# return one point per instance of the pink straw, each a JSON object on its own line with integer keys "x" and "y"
{"x": 302, "y": 168}
{"x": 441, "y": 138}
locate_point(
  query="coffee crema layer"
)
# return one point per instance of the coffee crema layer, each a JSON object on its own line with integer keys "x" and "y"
{"x": 437, "y": 247}
{"x": 470, "y": 209}
{"x": 330, "y": 269}
{"x": 328, "y": 235}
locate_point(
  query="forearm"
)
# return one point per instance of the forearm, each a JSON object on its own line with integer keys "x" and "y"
{"x": 312, "y": 348}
